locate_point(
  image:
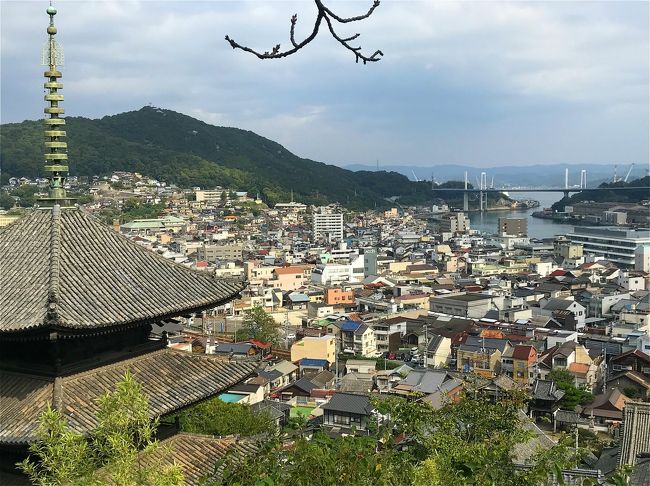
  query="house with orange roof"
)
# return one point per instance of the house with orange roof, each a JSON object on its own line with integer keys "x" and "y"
{"x": 287, "y": 278}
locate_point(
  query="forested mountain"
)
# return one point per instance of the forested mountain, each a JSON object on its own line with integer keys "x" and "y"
{"x": 188, "y": 152}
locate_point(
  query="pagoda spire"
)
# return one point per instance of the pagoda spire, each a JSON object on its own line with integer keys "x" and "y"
{"x": 56, "y": 156}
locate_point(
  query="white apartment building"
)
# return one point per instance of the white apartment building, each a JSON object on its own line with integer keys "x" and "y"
{"x": 327, "y": 225}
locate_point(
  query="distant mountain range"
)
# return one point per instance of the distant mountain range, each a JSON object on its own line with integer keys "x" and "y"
{"x": 514, "y": 176}
{"x": 185, "y": 151}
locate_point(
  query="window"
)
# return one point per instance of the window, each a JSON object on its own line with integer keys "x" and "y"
{"x": 341, "y": 419}
{"x": 617, "y": 367}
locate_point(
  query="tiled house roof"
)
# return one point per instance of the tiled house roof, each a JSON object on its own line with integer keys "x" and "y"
{"x": 171, "y": 379}
{"x": 197, "y": 455}
{"x": 64, "y": 268}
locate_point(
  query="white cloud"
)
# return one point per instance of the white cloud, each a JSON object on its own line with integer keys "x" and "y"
{"x": 459, "y": 80}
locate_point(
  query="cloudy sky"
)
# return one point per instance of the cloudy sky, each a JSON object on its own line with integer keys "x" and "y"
{"x": 480, "y": 83}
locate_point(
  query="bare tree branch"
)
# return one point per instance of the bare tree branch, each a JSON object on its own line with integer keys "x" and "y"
{"x": 323, "y": 13}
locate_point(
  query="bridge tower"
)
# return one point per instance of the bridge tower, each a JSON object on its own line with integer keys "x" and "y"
{"x": 583, "y": 179}
{"x": 482, "y": 194}
{"x": 566, "y": 178}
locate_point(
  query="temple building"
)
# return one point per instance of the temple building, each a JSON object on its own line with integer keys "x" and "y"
{"x": 78, "y": 304}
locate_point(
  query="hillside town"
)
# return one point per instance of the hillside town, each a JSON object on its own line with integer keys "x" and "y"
{"x": 408, "y": 302}
{"x": 167, "y": 335}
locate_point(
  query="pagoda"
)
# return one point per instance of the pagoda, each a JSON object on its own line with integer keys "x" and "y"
{"x": 78, "y": 302}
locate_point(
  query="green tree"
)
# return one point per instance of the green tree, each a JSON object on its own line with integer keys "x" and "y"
{"x": 121, "y": 451}
{"x": 573, "y": 395}
{"x": 6, "y": 201}
{"x": 215, "y": 417}
{"x": 260, "y": 325}
{"x": 322, "y": 461}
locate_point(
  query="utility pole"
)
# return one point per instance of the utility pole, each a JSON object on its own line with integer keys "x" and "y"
{"x": 426, "y": 347}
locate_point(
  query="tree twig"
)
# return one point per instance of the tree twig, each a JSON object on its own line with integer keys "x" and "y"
{"x": 323, "y": 13}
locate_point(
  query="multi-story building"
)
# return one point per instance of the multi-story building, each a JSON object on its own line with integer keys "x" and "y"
{"x": 614, "y": 244}
{"x": 481, "y": 355}
{"x": 454, "y": 223}
{"x": 519, "y": 363}
{"x": 323, "y": 347}
{"x": 642, "y": 258}
{"x": 567, "y": 250}
{"x": 513, "y": 226}
{"x": 358, "y": 338}
{"x": 212, "y": 253}
{"x": 287, "y": 278}
{"x": 339, "y": 296}
{"x": 466, "y": 305}
{"x": 327, "y": 225}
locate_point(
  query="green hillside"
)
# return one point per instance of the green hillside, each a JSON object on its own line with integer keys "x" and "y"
{"x": 188, "y": 152}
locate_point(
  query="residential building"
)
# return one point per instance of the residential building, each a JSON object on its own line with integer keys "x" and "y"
{"x": 513, "y": 227}
{"x": 554, "y": 308}
{"x": 323, "y": 347}
{"x": 360, "y": 366}
{"x": 347, "y": 411}
{"x": 566, "y": 250}
{"x": 288, "y": 278}
{"x": 481, "y": 355}
{"x": 339, "y": 296}
{"x": 213, "y": 253}
{"x": 518, "y": 363}
{"x": 438, "y": 352}
{"x": 465, "y": 305}
{"x": 327, "y": 225}
{"x": 606, "y": 407}
{"x": 358, "y": 338}
{"x": 454, "y": 223}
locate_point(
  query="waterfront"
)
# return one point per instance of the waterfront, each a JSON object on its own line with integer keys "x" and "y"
{"x": 537, "y": 228}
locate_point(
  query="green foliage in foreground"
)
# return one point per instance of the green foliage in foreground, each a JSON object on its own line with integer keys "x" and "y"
{"x": 122, "y": 450}
{"x": 215, "y": 417}
{"x": 471, "y": 442}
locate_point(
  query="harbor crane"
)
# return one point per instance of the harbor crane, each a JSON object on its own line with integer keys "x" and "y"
{"x": 628, "y": 172}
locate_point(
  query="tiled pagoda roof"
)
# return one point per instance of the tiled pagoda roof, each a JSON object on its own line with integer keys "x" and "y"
{"x": 171, "y": 379}
{"x": 64, "y": 268}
